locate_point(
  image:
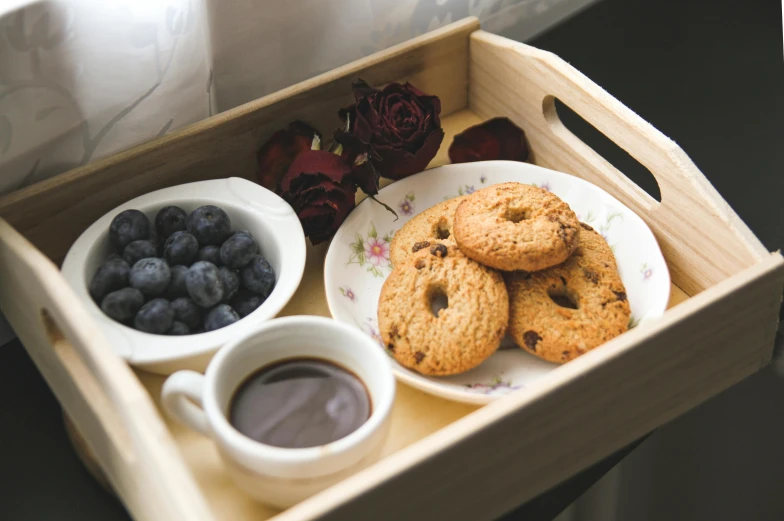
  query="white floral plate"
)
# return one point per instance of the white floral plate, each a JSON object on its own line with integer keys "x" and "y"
{"x": 357, "y": 263}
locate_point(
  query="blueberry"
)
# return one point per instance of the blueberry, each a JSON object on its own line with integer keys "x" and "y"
{"x": 238, "y": 250}
{"x": 220, "y": 316}
{"x": 110, "y": 276}
{"x": 178, "y": 328}
{"x": 204, "y": 284}
{"x": 210, "y": 254}
{"x": 138, "y": 250}
{"x": 150, "y": 276}
{"x": 128, "y": 226}
{"x": 122, "y": 304}
{"x": 187, "y": 312}
{"x": 156, "y": 241}
{"x": 156, "y": 316}
{"x": 176, "y": 287}
{"x": 258, "y": 276}
{"x": 246, "y": 302}
{"x": 180, "y": 248}
{"x": 170, "y": 219}
{"x": 230, "y": 280}
{"x": 209, "y": 224}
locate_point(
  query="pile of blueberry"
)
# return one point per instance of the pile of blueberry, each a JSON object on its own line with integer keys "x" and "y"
{"x": 182, "y": 275}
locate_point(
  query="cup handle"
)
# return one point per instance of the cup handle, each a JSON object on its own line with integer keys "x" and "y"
{"x": 178, "y": 395}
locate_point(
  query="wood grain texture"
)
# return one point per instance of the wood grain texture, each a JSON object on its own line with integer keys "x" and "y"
{"x": 702, "y": 238}
{"x": 446, "y": 460}
{"x": 586, "y": 409}
{"x": 415, "y": 415}
{"x": 111, "y": 411}
{"x": 52, "y": 213}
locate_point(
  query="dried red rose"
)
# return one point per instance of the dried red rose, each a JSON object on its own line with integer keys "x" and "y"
{"x": 400, "y": 123}
{"x": 496, "y": 138}
{"x": 280, "y": 150}
{"x": 361, "y": 158}
{"x": 320, "y": 188}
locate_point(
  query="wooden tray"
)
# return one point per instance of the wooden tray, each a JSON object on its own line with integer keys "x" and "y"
{"x": 443, "y": 460}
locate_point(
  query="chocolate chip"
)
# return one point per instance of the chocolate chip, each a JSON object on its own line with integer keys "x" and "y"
{"x": 439, "y": 250}
{"x": 586, "y": 227}
{"x": 565, "y": 353}
{"x": 568, "y": 235}
{"x": 621, "y": 295}
{"x": 393, "y": 330}
{"x": 419, "y": 264}
{"x": 563, "y": 281}
{"x": 419, "y": 356}
{"x": 531, "y": 338}
{"x": 442, "y": 229}
{"x": 391, "y": 346}
{"x": 591, "y": 275}
{"x": 418, "y": 246}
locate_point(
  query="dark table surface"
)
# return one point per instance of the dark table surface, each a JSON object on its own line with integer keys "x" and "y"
{"x": 707, "y": 74}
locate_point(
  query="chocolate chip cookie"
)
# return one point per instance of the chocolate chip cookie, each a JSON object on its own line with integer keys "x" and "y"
{"x": 562, "y": 312}
{"x": 514, "y": 226}
{"x": 441, "y": 313}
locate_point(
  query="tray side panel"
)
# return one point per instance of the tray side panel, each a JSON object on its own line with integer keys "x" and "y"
{"x": 702, "y": 238}
{"x": 114, "y": 414}
{"x": 509, "y": 451}
{"x": 52, "y": 214}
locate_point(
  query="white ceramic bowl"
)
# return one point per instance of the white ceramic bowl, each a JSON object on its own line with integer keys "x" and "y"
{"x": 269, "y": 218}
{"x": 357, "y": 264}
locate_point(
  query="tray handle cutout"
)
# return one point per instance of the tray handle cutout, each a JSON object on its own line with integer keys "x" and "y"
{"x": 702, "y": 238}
{"x": 88, "y": 378}
{"x": 110, "y": 409}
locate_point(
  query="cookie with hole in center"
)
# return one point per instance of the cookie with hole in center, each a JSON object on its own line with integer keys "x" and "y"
{"x": 441, "y": 313}
{"x": 562, "y": 312}
{"x": 432, "y": 226}
{"x": 514, "y": 226}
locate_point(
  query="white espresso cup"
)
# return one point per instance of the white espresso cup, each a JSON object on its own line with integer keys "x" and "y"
{"x": 274, "y": 475}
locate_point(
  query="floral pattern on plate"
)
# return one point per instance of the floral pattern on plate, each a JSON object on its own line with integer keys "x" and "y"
{"x": 348, "y": 293}
{"x": 640, "y": 264}
{"x": 406, "y": 206}
{"x": 496, "y": 386}
{"x": 371, "y": 251}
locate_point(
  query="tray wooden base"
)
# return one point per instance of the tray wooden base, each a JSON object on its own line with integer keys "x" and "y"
{"x": 415, "y": 414}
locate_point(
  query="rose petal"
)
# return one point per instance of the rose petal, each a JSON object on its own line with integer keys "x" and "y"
{"x": 397, "y": 163}
{"x": 315, "y": 162}
{"x": 495, "y": 139}
{"x": 366, "y": 177}
{"x": 400, "y": 123}
{"x": 365, "y": 121}
{"x": 322, "y": 217}
{"x": 360, "y": 157}
{"x": 362, "y": 89}
{"x": 280, "y": 150}
{"x": 426, "y": 100}
{"x": 319, "y": 186}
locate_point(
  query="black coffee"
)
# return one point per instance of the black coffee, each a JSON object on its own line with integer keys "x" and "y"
{"x": 299, "y": 403}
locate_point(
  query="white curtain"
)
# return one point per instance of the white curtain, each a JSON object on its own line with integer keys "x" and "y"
{"x": 81, "y": 79}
